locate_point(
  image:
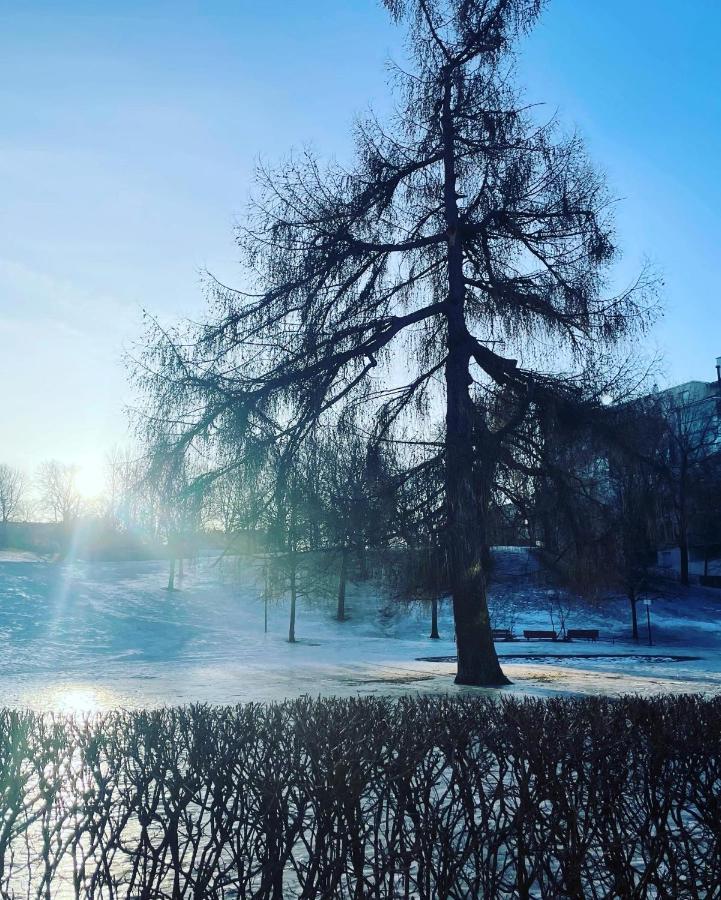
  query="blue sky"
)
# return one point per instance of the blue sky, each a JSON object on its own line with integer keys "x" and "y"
{"x": 130, "y": 132}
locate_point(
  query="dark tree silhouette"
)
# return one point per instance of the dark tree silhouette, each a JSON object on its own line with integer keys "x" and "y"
{"x": 597, "y": 502}
{"x": 466, "y": 234}
{"x": 636, "y": 470}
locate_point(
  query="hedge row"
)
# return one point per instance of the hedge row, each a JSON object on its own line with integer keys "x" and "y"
{"x": 427, "y": 798}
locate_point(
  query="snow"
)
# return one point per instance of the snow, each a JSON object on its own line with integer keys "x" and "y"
{"x": 88, "y": 636}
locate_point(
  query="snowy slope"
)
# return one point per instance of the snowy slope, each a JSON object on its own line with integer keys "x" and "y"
{"x": 85, "y": 636}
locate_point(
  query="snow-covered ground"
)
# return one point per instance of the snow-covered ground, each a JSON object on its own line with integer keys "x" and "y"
{"x": 82, "y": 636}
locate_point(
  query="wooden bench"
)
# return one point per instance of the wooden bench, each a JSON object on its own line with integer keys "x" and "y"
{"x": 531, "y": 635}
{"x": 582, "y": 634}
{"x": 502, "y": 634}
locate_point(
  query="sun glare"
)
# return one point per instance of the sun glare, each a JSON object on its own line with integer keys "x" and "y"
{"x": 77, "y": 699}
{"x": 90, "y": 481}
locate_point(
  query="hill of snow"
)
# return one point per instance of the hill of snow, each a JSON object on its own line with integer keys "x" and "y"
{"x": 83, "y": 636}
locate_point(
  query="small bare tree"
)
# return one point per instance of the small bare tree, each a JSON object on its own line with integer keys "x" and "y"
{"x": 59, "y": 495}
{"x": 12, "y": 492}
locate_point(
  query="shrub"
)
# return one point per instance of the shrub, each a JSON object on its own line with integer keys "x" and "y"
{"x": 421, "y": 797}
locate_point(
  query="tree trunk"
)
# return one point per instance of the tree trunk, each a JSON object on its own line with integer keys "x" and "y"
{"x": 171, "y": 575}
{"x": 683, "y": 549}
{"x": 634, "y": 616}
{"x": 363, "y": 573}
{"x": 434, "y": 619}
{"x": 477, "y": 659}
{"x": 486, "y": 556}
{"x": 683, "y": 529}
{"x": 293, "y": 596}
{"x": 340, "y": 611}
{"x": 266, "y": 593}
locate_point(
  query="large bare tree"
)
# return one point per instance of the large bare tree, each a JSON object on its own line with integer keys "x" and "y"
{"x": 406, "y": 289}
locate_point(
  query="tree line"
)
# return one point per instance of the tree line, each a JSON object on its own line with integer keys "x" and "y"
{"x": 52, "y": 494}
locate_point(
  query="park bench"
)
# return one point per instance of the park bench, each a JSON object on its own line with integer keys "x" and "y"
{"x": 532, "y": 635}
{"x": 502, "y": 634}
{"x": 582, "y": 634}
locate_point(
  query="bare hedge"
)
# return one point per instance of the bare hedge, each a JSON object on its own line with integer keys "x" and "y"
{"x": 427, "y": 798}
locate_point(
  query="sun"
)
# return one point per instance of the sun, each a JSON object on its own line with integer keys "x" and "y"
{"x": 90, "y": 480}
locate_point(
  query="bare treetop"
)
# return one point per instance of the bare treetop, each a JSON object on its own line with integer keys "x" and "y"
{"x": 59, "y": 494}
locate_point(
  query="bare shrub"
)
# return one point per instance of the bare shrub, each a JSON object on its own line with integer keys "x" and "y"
{"x": 419, "y": 797}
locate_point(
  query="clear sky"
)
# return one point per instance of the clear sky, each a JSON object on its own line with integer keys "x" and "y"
{"x": 130, "y": 131}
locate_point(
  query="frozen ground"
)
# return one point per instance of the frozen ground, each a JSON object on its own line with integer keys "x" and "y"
{"x": 90, "y": 636}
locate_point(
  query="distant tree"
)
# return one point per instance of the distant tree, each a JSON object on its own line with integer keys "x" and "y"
{"x": 692, "y": 437}
{"x": 706, "y": 506}
{"x": 237, "y": 502}
{"x": 599, "y": 501}
{"x": 566, "y": 498}
{"x": 12, "y": 492}
{"x": 125, "y": 495}
{"x": 180, "y": 503}
{"x": 418, "y": 513}
{"x": 229, "y": 502}
{"x": 288, "y": 509}
{"x": 404, "y": 289}
{"x": 355, "y": 519}
{"x": 60, "y": 498}
{"x": 636, "y": 472}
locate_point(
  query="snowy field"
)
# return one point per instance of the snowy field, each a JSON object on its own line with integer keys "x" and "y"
{"x": 88, "y": 636}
